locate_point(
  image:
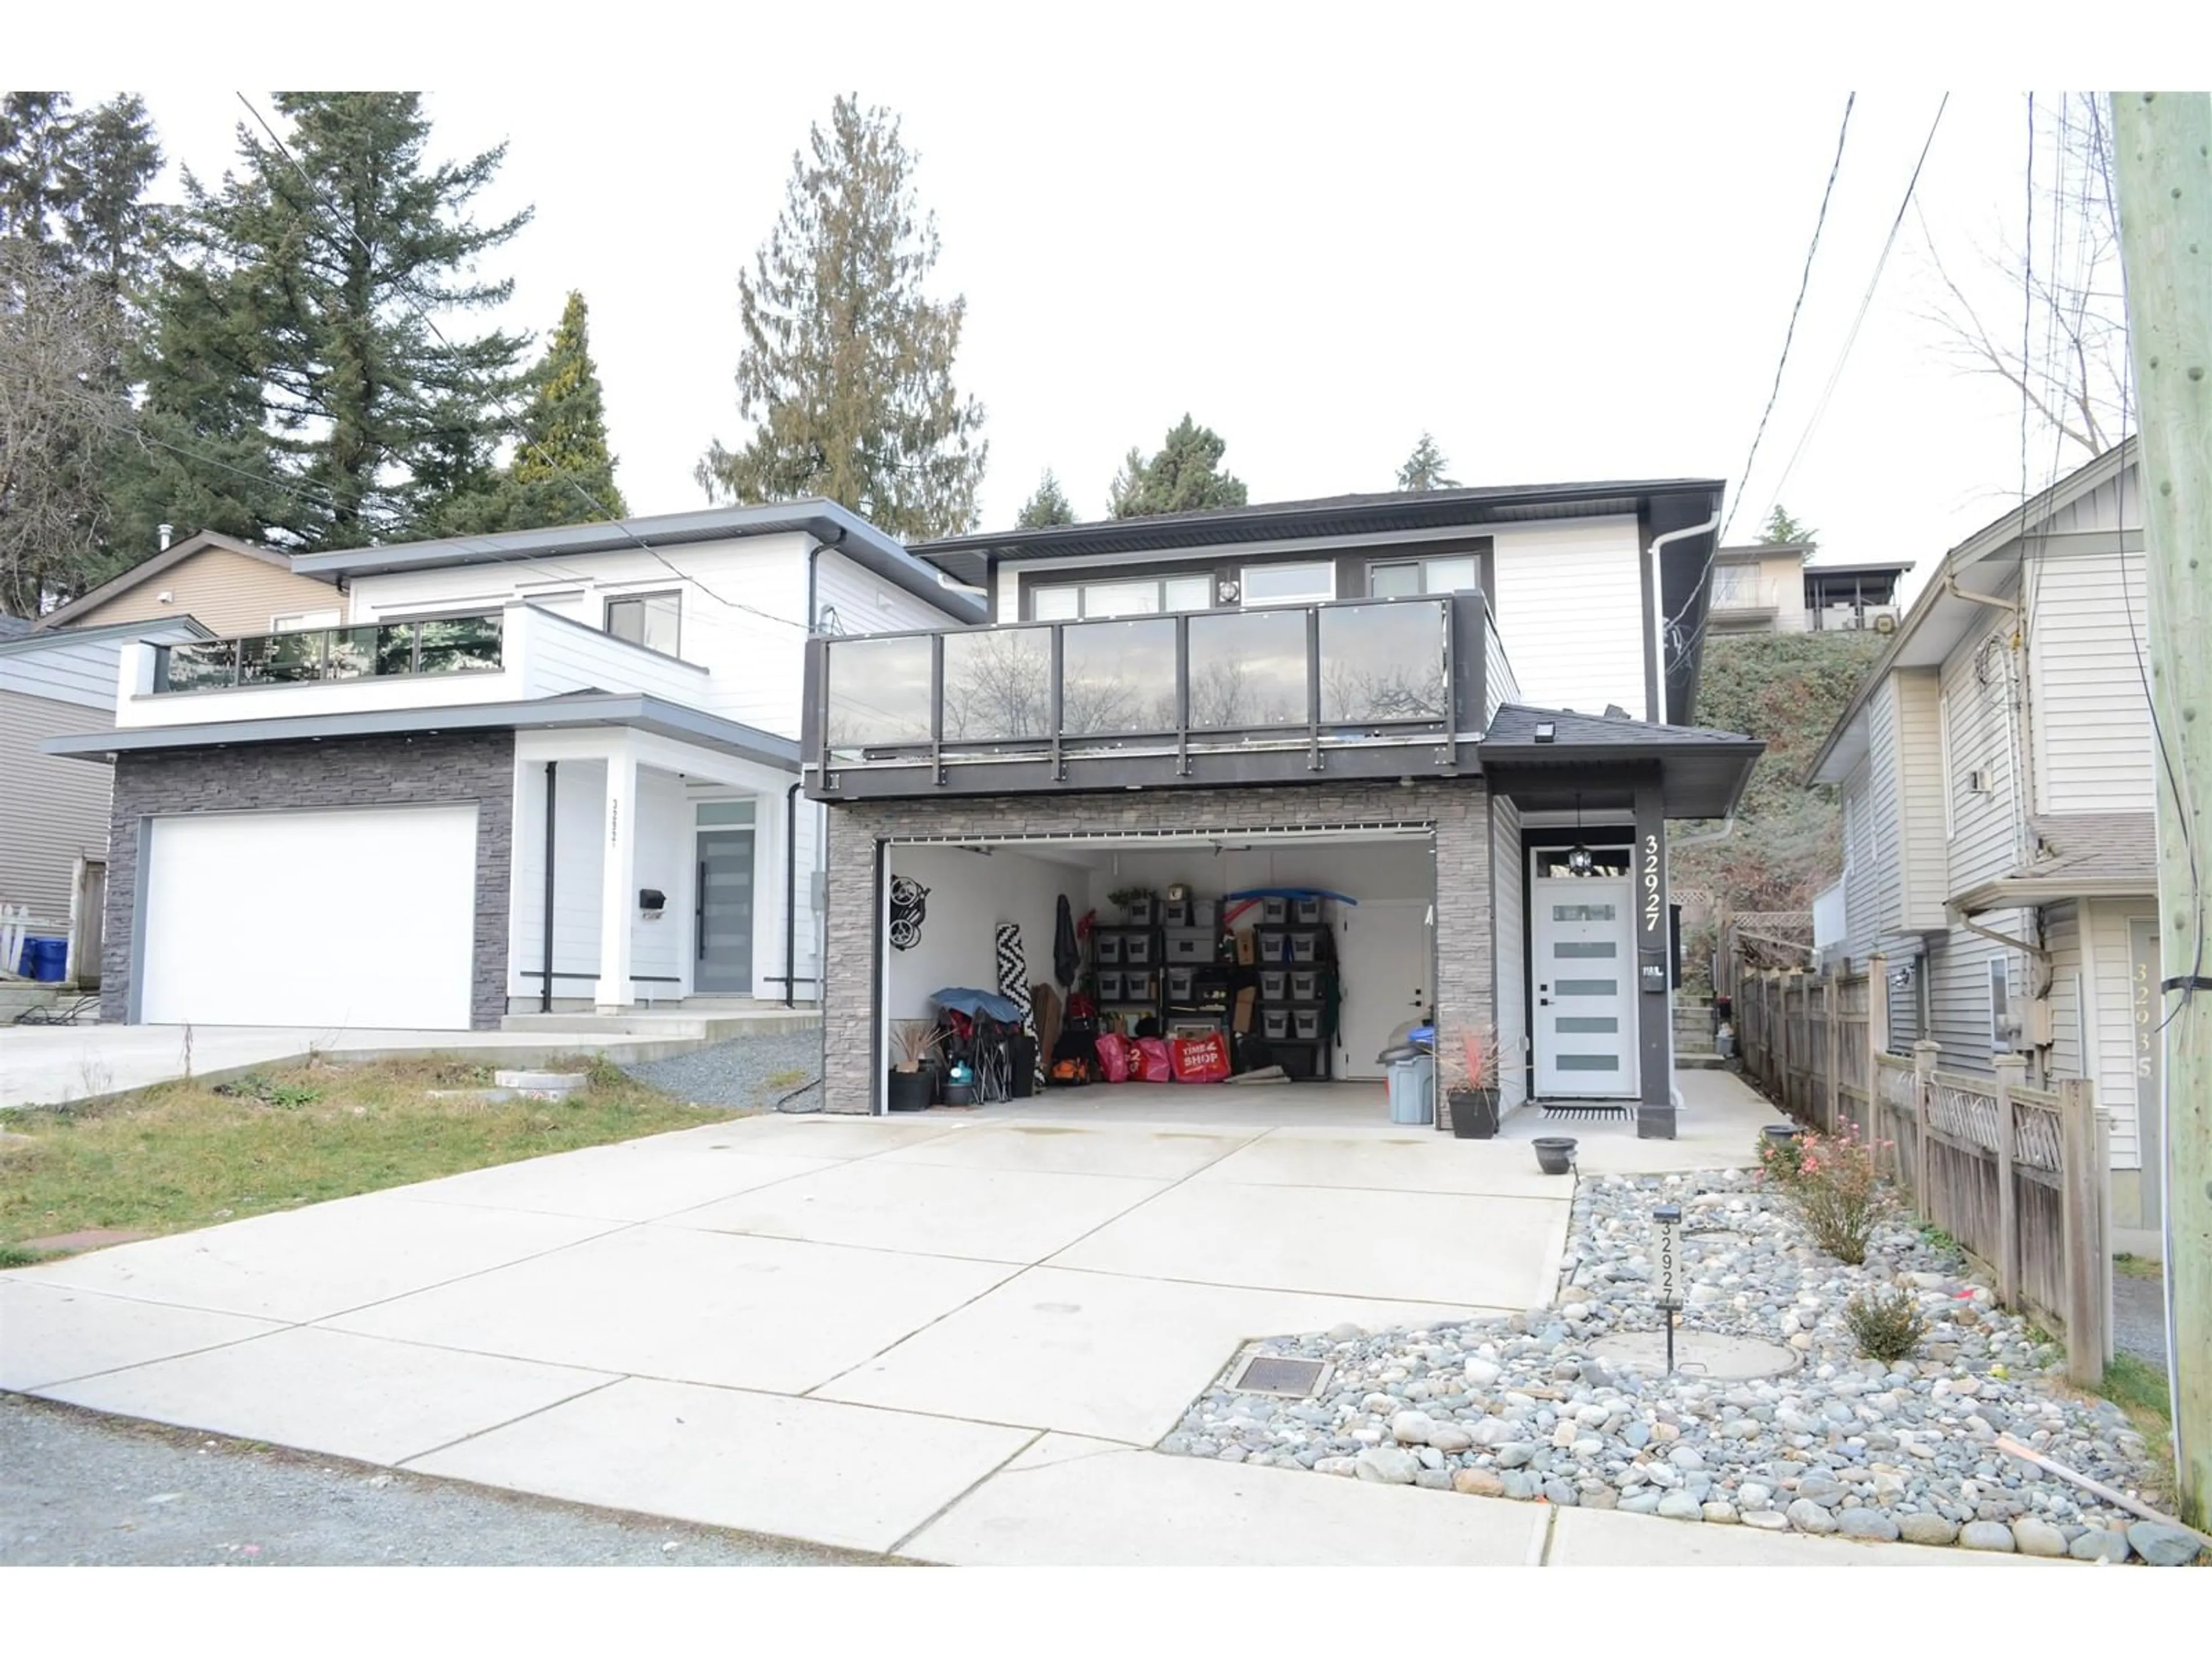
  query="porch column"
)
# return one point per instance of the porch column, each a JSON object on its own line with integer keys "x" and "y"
{"x": 611, "y": 993}
{"x": 1654, "y": 997}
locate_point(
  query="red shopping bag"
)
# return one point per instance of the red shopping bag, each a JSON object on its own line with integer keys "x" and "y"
{"x": 1155, "y": 1064}
{"x": 1114, "y": 1058}
{"x": 1200, "y": 1060}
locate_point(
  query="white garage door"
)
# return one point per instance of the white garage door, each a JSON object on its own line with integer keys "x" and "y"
{"x": 360, "y": 918}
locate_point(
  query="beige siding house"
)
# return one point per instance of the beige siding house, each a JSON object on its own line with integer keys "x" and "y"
{"x": 1776, "y": 588}
{"x": 229, "y": 586}
{"x": 1997, "y": 774}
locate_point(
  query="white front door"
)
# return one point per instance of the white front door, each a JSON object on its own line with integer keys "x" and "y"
{"x": 1382, "y": 956}
{"x": 1583, "y": 978}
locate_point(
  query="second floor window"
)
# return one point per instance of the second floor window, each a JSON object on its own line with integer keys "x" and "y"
{"x": 1409, "y": 578}
{"x": 1148, "y": 597}
{"x": 652, "y": 620}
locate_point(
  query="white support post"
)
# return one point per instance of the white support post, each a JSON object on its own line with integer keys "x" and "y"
{"x": 618, "y": 881}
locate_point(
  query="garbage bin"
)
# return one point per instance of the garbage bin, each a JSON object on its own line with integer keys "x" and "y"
{"x": 43, "y": 959}
{"x": 1413, "y": 1074}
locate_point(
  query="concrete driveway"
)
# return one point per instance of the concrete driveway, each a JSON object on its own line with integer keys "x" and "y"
{"x": 833, "y": 1330}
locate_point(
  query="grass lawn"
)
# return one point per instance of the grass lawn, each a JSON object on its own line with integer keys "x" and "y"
{"x": 183, "y": 1154}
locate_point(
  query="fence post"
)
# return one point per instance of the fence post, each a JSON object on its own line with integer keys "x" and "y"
{"x": 2012, "y": 1073}
{"x": 2104, "y": 1216}
{"x": 1832, "y": 1047}
{"x": 1924, "y": 1056}
{"x": 1788, "y": 1048}
{"x": 2082, "y": 1230}
{"x": 1877, "y": 1045}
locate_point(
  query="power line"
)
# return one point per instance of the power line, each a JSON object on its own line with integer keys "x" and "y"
{"x": 1866, "y": 303}
{"x": 1804, "y": 281}
{"x": 601, "y": 512}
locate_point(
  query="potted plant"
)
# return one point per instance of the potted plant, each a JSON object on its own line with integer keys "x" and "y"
{"x": 1470, "y": 1073}
{"x": 914, "y": 1041}
{"x": 1137, "y": 905}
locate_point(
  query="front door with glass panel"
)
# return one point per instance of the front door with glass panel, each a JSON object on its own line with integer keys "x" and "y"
{"x": 1582, "y": 980}
{"x": 723, "y": 904}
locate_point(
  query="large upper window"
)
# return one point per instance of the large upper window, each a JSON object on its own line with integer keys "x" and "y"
{"x": 652, "y": 620}
{"x": 1148, "y": 596}
{"x": 1404, "y": 579}
{"x": 1289, "y": 584}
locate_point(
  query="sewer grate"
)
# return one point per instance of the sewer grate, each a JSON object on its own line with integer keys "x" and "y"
{"x": 1586, "y": 1113}
{"x": 1295, "y": 1379}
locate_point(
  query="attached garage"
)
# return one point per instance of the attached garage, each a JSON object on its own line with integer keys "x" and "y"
{"x": 361, "y": 917}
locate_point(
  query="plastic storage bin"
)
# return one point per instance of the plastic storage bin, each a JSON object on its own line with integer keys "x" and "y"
{"x": 1412, "y": 1090}
{"x": 1137, "y": 947}
{"x": 1183, "y": 984}
{"x": 1275, "y": 911}
{"x": 1189, "y": 944}
{"x": 1305, "y": 1025}
{"x": 1141, "y": 988}
{"x": 1109, "y": 947}
{"x": 1275, "y": 985}
{"x": 1193, "y": 913}
{"x": 1306, "y": 911}
{"x": 1275, "y": 1023}
{"x": 1305, "y": 985}
{"x": 1274, "y": 947}
{"x": 1109, "y": 987}
{"x": 1305, "y": 947}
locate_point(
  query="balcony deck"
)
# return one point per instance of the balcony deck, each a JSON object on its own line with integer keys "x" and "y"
{"x": 1360, "y": 689}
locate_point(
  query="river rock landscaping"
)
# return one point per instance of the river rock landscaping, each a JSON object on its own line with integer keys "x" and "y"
{"x": 1529, "y": 1407}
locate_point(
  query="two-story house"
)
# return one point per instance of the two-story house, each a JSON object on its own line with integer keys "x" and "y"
{"x": 1460, "y": 719}
{"x": 1771, "y": 587}
{"x": 541, "y": 771}
{"x": 1996, "y": 775}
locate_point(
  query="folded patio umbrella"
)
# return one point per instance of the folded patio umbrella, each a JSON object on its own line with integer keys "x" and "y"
{"x": 1066, "y": 954}
{"x": 963, "y": 1000}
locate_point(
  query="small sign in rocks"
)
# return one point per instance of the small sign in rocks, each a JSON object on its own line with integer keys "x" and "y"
{"x": 1534, "y": 1407}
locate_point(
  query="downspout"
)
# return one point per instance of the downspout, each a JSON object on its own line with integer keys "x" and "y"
{"x": 545, "y": 991}
{"x": 791, "y": 801}
{"x": 1658, "y": 693}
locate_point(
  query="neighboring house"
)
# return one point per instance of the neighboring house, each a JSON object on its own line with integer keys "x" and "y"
{"x": 1996, "y": 775}
{"x": 54, "y": 812}
{"x": 530, "y": 771}
{"x": 229, "y": 586}
{"x": 1310, "y": 694}
{"x": 1770, "y": 588}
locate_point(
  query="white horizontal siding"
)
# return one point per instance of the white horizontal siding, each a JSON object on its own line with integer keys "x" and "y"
{"x": 2062, "y": 936}
{"x": 64, "y": 670}
{"x": 1958, "y": 989}
{"x": 2121, "y": 1018}
{"x": 2091, "y": 714}
{"x": 861, "y": 602}
{"x": 578, "y": 829}
{"x": 1923, "y": 857}
{"x": 1571, "y": 609}
{"x": 51, "y": 810}
{"x": 1862, "y": 917}
{"x": 1985, "y": 825}
{"x": 564, "y": 655}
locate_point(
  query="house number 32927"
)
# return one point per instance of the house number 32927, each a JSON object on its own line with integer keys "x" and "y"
{"x": 1651, "y": 883}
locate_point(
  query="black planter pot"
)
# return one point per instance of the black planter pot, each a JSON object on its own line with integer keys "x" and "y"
{"x": 1782, "y": 1132}
{"x": 1555, "y": 1154}
{"x": 1473, "y": 1113}
{"x": 911, "y": 1091}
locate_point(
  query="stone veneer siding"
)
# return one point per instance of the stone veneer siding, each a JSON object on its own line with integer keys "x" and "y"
{"x": 420, "y": 770}
{"x": 1459, "y": 810}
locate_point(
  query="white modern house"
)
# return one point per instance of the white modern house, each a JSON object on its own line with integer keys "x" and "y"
{"x": 535, "y": 771}
{"x": 1998, "y": 781}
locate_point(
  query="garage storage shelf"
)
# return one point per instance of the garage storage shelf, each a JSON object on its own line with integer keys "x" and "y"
{"x": 1132, "y": 971}
{"x": 1296, "y": 978}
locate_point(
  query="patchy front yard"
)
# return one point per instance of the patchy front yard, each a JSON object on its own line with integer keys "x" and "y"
{"x": 184, "y": 1155}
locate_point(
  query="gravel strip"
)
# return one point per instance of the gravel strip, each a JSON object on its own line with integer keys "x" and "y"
{"x": 2139, "y": 1318}
{"x": 1540, "y": 1406}
{"x": 77, "y": 1489}
{"x": 747, "y": 1073}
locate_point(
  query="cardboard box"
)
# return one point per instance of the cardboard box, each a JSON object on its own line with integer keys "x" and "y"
{"x": 1247, "y": 947}
{"x": 1240, "y": 1020}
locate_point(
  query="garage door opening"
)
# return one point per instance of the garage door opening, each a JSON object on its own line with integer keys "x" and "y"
{"x": 1304, "y": 952}
{"x": 364, "y": 918}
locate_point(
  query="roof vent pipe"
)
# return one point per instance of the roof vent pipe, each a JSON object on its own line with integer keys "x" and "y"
{"x": 166, "y": 530}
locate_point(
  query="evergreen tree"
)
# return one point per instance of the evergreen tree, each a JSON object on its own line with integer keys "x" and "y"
{"x": 294, "y": 393}
{"x": 847, "y": 371}
{"x": 1782, "y": 529}
{"x": 1048, "y": 507}
{"x": 75, "y": 237}
{"x": 561, "y": 472}
{"x": 1424, "y": 468}
{"x": 1185, "y": 477}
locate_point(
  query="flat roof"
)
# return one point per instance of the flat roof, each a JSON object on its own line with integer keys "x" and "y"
{"x": 574, "y": 709}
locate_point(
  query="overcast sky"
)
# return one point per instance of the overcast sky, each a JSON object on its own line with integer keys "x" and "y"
{"x": 1318, "y": 242}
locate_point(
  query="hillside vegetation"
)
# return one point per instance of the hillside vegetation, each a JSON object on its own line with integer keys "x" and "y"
{"x": 1787, "y": 689}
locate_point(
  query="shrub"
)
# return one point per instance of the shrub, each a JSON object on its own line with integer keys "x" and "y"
{"x": 1781, "y": 1162}
{"x": 1837, "y": 1195}
{"x": 1886, "y": 1323}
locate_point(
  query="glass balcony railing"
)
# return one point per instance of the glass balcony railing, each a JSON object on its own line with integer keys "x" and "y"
{"x": 441, "y": 645}
{"x": 1198, "y": 688}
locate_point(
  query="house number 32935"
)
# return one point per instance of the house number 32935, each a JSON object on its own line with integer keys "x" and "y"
{"x": 1652, "y": 906}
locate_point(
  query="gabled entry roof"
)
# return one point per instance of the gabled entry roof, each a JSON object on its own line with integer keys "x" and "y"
{"x": 1549, "y": 755}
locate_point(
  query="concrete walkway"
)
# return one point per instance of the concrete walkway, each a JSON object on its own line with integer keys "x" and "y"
{"x": 949, "y": 1341}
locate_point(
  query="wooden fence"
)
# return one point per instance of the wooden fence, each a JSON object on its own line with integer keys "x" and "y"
{"x": 2015, "y": 1174}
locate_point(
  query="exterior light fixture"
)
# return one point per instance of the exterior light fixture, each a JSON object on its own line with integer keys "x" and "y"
{"x": 1580, "y": 860}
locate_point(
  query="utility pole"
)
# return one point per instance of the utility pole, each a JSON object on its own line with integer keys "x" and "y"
{"x": 2162, "y": 159}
